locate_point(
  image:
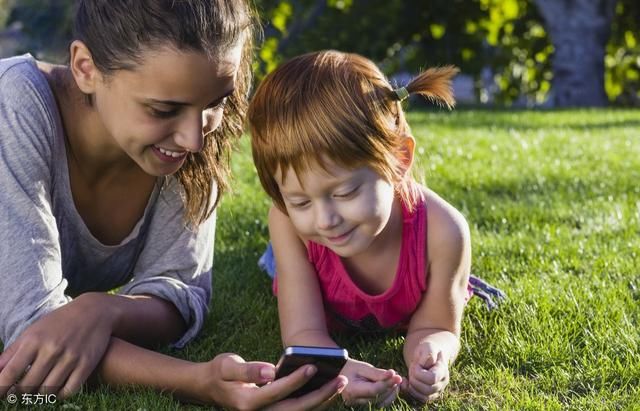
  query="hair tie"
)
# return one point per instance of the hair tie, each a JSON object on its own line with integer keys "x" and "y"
{"x": 401, "y": 93}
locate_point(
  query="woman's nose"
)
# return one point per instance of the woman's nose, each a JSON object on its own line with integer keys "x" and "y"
{"x": 190, "y": 135}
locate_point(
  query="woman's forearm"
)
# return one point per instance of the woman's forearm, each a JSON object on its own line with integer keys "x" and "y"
{"x": 125, "y": 364}
{"x": 144, "y": 320}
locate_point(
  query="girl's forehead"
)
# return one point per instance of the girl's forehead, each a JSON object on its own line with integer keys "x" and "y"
{"x": 315, "y": 176}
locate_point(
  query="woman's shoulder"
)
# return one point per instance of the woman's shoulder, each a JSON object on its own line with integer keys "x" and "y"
{"x": 26, "y": 91}
{"x": 18, "y": 73}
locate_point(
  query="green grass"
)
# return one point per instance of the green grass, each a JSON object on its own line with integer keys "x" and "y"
{"x": 553, "y": 202}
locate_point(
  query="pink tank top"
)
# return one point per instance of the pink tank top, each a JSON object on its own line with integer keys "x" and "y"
{"x": 347, "y": 306}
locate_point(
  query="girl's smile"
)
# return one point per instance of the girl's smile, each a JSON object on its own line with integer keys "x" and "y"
{"x": 343, "y": 209}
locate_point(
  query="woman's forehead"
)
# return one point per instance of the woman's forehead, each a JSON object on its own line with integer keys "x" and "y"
{"x": 183, "y": 76}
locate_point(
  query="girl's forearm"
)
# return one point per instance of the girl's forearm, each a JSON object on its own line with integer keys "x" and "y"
{"x": 448, "y": 343}
{"x": 316, "y": 338}
{"x": 125, "y": 364}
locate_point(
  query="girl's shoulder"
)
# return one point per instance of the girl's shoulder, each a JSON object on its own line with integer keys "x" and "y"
{"x": 447, "y": 228}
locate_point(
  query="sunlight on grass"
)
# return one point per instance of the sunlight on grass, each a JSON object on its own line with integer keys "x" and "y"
{"x": 553, "y": 202}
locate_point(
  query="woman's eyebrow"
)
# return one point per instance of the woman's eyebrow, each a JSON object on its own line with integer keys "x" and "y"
{"x": 182, "y": 103}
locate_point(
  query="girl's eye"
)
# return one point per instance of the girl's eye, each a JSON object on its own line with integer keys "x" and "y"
{"x": 162, "y": 113}
{"x": 299, "y": 204}
{"x": 348, "y": 194}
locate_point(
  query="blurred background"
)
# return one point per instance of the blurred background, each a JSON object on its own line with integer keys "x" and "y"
{"x": 519, "y": 53}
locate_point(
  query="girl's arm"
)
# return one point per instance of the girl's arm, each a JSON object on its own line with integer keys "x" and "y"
{"x": 302, "y": 317}
{"x": 300, "y": 306}
{"x": 432, "y": 341}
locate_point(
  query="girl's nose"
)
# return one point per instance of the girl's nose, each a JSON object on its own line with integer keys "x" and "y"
{"x": 326, "y": 216}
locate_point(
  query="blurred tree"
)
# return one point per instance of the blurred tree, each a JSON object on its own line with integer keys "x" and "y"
{"x": 46, "y": 24}
{"x": 580, "y": 31}
{"x": 522, "y": 46}
{"x": 622, "y": 61}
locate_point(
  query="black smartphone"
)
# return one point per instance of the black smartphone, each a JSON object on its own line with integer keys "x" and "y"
{"x": 329, "y": 362}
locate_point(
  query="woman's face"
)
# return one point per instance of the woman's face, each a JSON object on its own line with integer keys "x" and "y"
{"x": 156, "y": 113}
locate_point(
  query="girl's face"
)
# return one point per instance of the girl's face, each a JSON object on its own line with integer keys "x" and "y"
{"x": 345, "y": 210}
{"x": 156, "y": 113}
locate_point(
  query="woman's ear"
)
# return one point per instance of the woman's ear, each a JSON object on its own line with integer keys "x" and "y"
{"x": 407, "y": 150}
{"x": 82, "y": 67}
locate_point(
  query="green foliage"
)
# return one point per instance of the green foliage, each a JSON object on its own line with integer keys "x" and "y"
{"x": 507, "y": 36}
{"x": 5, "y": 9}
{"x": 622, "y": 76}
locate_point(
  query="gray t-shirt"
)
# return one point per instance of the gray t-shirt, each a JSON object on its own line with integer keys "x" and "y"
{"x": 47, "y": 253}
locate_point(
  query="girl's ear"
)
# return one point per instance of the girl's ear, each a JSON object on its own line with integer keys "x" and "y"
{"x": 81, "y": 64}
{"x": 407, "y": 150}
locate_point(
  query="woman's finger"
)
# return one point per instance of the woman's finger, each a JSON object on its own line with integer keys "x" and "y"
{"x": 319, "y": 399}
{"x": 15, "y": 368}
{"x": 78, "y": 375}
{"x": 35, "y": 374}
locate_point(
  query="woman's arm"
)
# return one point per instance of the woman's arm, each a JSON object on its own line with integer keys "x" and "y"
{"x": 227, "y": 380}
{"x": 432, "y": 341}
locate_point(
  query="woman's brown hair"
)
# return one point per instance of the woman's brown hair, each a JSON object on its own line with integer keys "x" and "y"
{"x": 338, "y": 106}
{"x": 117, "y": 32}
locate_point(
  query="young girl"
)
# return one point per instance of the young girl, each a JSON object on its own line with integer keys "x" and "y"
{"x": 358, "y": 243}
{"x": 111, "y": 168}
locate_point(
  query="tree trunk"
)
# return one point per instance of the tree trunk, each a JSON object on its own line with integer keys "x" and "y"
{"x": 579, "y": 31}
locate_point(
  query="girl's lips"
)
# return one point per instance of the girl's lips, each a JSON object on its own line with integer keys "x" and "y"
{"x": 165, "y": 158}
{"x": 341, "y": 238}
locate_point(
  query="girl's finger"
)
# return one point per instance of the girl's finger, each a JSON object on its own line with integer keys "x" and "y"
{"x": 375, "y": 374}
{"x": 437, "y": 373}
{"x": 389, "y": 398}
{"x": 417, "y": 395}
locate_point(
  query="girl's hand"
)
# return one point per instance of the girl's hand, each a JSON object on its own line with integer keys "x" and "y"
{"x": 229, "y": 381}
{"x": 57, "y": 353}
{"x": 428, "y": 373}
{"x": 368, "y": 384}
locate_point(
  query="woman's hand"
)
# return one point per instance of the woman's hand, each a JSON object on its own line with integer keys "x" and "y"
{"x": 428, "y": 373}
{"x": 229, "y": 381}
{"x": 57, "y": 353}
{"x": 369, "y": 385}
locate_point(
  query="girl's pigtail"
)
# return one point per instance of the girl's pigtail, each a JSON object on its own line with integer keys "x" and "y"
{"x": 433, "y": 84}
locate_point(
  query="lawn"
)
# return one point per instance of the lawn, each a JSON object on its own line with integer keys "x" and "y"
{"x": 553, "y": 202}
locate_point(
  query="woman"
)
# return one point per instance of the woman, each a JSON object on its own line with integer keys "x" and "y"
{"x": 111, "y": 169}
